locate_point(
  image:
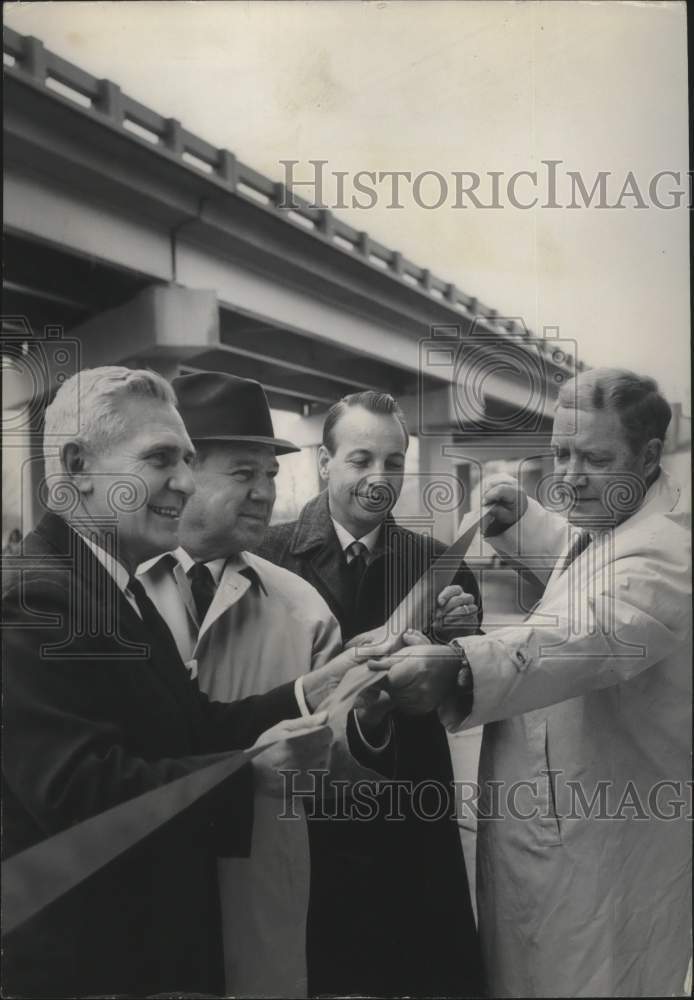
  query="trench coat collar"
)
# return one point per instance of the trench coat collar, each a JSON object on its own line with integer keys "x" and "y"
{"x": 238, "y": 574}
{"x": 662, "y": 497}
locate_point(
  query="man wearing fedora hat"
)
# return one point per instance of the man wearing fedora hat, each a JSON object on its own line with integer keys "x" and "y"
{"x": 245, "y": 625}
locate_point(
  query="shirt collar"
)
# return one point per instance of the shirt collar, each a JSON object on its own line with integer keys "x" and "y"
{"x": 238, "y": 564}
{"x": 114, "y": 568}
{"x": 346, "y": 539}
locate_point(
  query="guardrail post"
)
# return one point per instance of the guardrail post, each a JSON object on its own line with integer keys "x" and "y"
{"x": 173, "y": 136}
{"x": 279, "y": 198}
{"x": 326, "y": 223}
{"x": 228, "y": 168}
{"x": 110, "y": 101}
{"x": 34, "y": 58}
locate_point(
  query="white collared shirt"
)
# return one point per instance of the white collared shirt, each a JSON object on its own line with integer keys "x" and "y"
{"x": 345, "y": 538}
{"x": 215, "y": 566}
{"x": 114, "y": 568}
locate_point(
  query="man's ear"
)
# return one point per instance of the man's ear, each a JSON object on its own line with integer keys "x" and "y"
{"x": 651, "y": 457}
{"x": 74, "y": 461}
{"x": 324, "y": 457}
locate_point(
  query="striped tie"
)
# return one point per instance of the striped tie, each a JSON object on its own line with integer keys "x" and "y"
{"x": 578, "y": 546}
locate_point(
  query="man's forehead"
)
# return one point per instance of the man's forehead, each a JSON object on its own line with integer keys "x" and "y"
{"x": 162, "y": 425}
{"x": 577, "y": 423}
{"x": 361, "y": 426}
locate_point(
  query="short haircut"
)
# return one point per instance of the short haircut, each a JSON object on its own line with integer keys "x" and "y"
{"x": 375, "y": 402}
{"x": 643, "y": 412}
{"x": 85, "y": 408}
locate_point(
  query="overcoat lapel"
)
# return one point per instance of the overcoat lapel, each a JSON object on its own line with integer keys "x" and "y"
{"x": 96, "y": 597}
{"x": 315, "y": 540}
{"x": 231, "y": 588}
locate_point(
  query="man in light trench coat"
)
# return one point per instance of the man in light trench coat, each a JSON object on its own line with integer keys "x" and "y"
{"x": 584, "y": 844}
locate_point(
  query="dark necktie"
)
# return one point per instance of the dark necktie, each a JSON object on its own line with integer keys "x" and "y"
{"x": 578, "y": 546}
{"x": 357, "y": 564}
{"x": 203, "y": 587}
{"x": 157, "y": 629}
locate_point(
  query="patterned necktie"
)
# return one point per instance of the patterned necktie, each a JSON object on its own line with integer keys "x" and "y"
{"x": 357, "y": 564}
{"x": 203, "y": 587}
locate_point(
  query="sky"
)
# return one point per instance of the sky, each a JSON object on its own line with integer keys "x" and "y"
{"x": 493, "y": 87}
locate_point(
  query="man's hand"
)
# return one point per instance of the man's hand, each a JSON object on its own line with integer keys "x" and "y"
{"x": 371, "y": 707}
{"x": 318, "y": 684}
{"x": 308, "y": 749}
{"x": 386, "y": 641}
{"x": 505, "y": 499}
{"x": 454, "y": 609}
{"x": 420, "y": 677}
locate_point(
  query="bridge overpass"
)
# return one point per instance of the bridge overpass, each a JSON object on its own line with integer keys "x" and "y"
{"x": 149, "y": 246}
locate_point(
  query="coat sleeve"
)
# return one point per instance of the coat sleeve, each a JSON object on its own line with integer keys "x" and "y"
{"x": 237, "y": 725}
{"x": 327, "y": 637}
{"x": 603, "y": 630}
{"x": 66, "y": 758}
{"x": 351, "y": 757}
{"x": 536, "y": 540}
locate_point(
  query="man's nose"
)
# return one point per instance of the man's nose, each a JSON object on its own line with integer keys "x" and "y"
{"x": 575, "y": 473}
{"x": 377, "y": 474}
{"x": 182, "y": 480}
{"x": 263, "y": 490}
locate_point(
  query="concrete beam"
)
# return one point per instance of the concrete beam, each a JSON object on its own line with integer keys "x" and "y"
{"x": 163, "y": 320}
{"x": 49, "y": 213}
{"x": 158, "y": 328}
{"x": 299, "y": 353}
{"x": 285, "y": 306}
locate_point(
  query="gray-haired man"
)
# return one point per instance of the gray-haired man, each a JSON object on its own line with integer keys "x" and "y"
{"x": 99, "y": 708}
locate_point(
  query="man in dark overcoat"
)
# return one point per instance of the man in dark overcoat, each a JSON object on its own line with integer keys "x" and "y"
{"x": 390, "y": 909}
{"x": 99, "y": 708}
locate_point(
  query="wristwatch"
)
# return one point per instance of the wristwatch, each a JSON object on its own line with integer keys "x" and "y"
{"x": 464, "y": 680}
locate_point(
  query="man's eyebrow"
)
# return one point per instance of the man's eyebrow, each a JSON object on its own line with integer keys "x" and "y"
{"x": 589, "y": 450}
{"x": 170, "y": 449}
{"x": 163, "y": 446}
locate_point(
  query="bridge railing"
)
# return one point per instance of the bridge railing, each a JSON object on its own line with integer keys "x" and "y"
{"x": 26, "y": 58}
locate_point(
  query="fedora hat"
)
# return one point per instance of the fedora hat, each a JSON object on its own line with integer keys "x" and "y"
{"x": 220, "y": 407}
